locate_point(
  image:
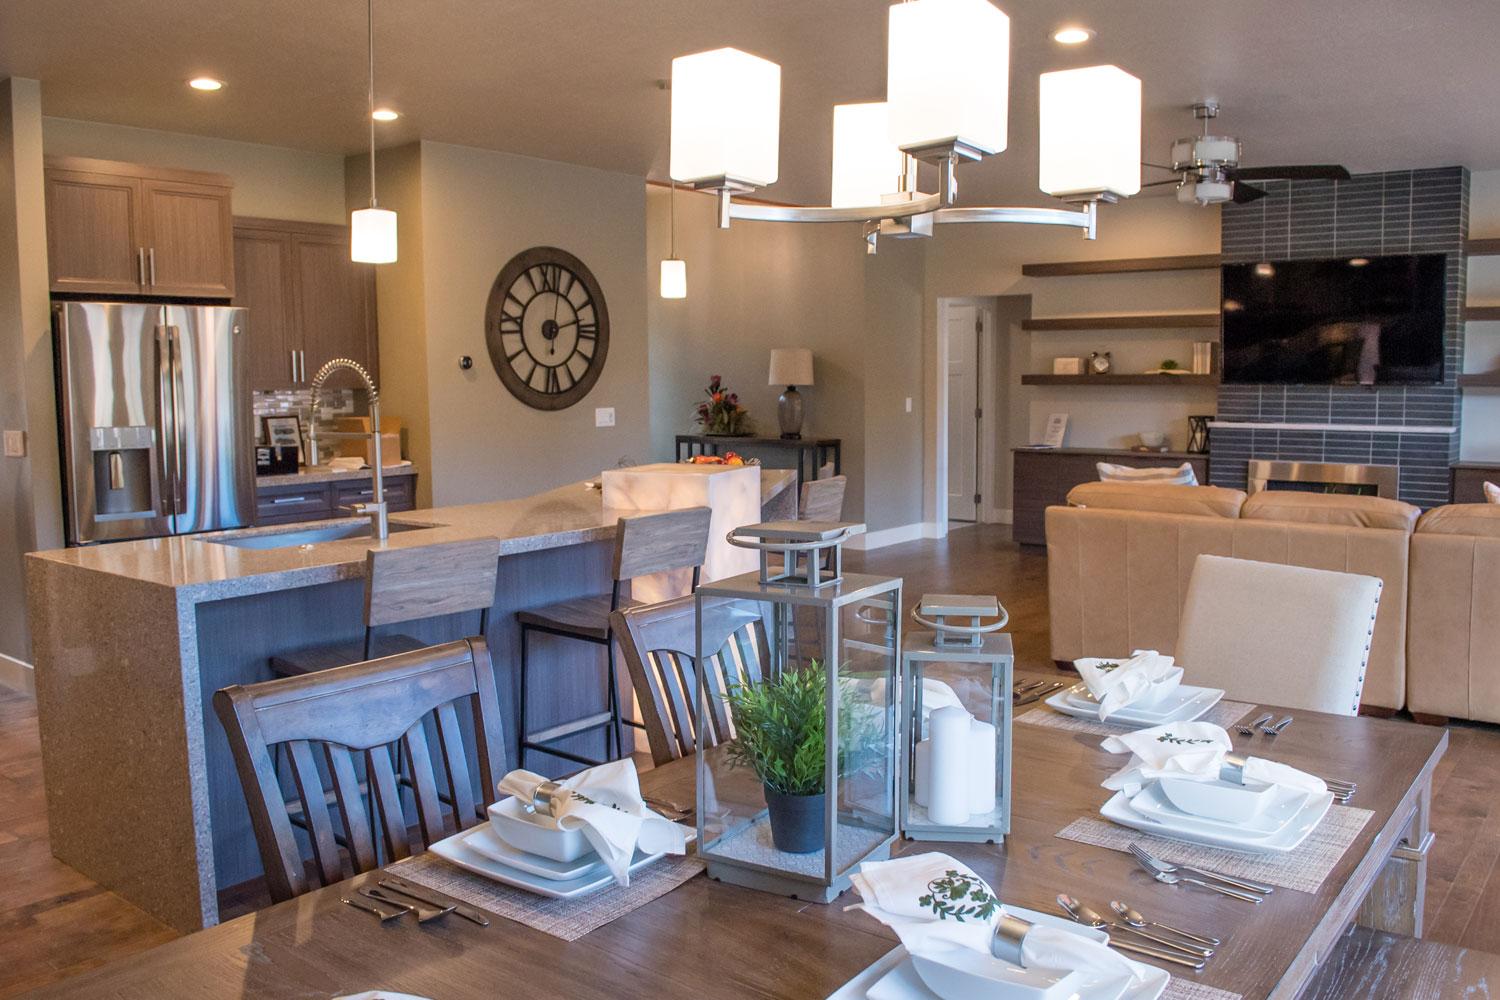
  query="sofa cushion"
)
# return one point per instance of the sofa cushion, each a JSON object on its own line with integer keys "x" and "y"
{"x": 1491, "y": 492}
{"x": 1480, "y": 520}
{"x": 1330, "y": 508}
{"x": 1181, "y": 475}
{"x": 1207, "y": 501}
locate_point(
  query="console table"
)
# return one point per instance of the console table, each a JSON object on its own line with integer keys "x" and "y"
{"x": 1468, "y": 479}
{"x": 1043, "y": 477}
{"x": 811, "y": 453}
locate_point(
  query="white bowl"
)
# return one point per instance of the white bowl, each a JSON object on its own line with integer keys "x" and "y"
{"x": 526, "y": 832}
{"x": 1218, "y": 799}
{"x": 1152, "y": 439}
{"x": 957, "y": 973}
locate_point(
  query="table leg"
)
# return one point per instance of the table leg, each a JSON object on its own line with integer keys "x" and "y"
{"x": 1395, "y": 902}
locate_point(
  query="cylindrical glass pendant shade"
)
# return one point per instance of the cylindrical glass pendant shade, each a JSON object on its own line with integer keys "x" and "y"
{"x": 673, "y": 278}
{"x": 372, "y": 236}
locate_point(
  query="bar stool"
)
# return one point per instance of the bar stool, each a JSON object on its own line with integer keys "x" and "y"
{"x": 651, "y": 543}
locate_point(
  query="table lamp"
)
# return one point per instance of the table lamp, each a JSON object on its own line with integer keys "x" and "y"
{"x": 791, "y": 367}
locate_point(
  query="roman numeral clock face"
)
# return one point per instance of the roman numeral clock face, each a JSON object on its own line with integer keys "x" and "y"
{"x": 547, "y": 328}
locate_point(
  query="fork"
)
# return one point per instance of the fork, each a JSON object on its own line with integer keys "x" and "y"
{"x": 1170, "y": 879}
{"x": 1157, "y": 866}
{"x": 1249, "y": 730}
{"x": 1286, "y": 720}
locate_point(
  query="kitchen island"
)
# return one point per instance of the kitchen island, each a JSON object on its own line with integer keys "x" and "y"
{"x": 132, "y": 639}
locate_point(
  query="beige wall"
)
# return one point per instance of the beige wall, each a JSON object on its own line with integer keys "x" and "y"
{"x": 269, "y": 181}
{"x": 1481, "y": 420}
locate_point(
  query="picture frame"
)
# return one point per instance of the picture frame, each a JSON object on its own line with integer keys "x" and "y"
{"x": 284, "y": 430}
{"x": 1057, "y": 430}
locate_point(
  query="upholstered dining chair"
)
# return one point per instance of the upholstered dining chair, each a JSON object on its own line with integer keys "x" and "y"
{"x": 1279, "y": 635}
{"x": 362, "y": 711}
{"x": 661, "y": 649}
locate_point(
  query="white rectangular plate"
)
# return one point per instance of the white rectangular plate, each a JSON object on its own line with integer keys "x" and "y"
{"x": 1183, "y": 705}
{"x": 454, "y": 849}
{"x": 1289, "y": 837}
{"x": 1285, "y": 805}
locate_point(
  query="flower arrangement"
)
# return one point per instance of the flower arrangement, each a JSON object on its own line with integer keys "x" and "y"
{"x": 722, "y": 413}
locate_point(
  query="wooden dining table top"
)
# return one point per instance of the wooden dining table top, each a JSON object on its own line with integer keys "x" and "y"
{"x": 708, "y": 940}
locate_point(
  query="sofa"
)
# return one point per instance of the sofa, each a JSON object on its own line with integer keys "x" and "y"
{"x": 1120, "y": 554}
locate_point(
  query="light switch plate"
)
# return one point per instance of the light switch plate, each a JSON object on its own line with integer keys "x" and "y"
{"x": 15, "y": 444}
{"x": 604, "y": 416}
{"x": 908, "y": 404}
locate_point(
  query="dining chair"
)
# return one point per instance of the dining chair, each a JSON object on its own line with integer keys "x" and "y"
{"x": 403, "y": 586}
{"x": 363, "y": 710}
{"x": 1278, "y": 635}
{"x": 646, "y": 544}
{"x": 823, "y": 499}
{"x": 660, "y": 644}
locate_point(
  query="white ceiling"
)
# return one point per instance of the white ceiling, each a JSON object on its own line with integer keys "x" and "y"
{"x": 1374, "y": 84}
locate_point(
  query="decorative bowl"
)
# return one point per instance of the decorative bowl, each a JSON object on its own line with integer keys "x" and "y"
{"x": 1152, "y": 439}
{"x": 527, "y": 832}
{"x": 1217, "y": 799}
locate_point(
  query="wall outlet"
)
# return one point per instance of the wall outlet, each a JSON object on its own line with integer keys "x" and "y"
{"x": 604, "y": 416}
{"x": 908, "y": 404}
{"x": 15, "y": 444}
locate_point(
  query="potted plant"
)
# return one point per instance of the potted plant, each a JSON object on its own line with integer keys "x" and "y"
{"x": 722, "y": 414}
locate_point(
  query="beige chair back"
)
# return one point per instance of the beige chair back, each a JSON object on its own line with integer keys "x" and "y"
{"x": 823, "y": 499}
{"x": 427, "y": 581}
{"x": 655, "y": 543}
{"x": 1278, "y": 635}
{"x": 361, "y": 712}
{"x": 660, "y": 645}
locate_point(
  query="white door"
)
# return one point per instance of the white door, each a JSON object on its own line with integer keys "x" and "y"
{"x": 963, "y": 413}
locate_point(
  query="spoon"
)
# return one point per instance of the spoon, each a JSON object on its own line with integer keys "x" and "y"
{"x": 1134, "y": 919}
{"x": 1182, "y": 954}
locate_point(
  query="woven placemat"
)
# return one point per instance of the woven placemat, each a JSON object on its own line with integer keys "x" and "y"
{"x": 1186, "y": 989}
{"x": 569, "y": 919}
{"x": 1303, "y": 869}
{"x": 1225, "y": 713}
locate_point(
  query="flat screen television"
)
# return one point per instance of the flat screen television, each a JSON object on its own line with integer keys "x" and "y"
{"x": 1348, "y": 321}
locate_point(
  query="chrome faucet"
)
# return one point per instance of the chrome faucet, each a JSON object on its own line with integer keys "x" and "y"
{"x": 375, "y": 510}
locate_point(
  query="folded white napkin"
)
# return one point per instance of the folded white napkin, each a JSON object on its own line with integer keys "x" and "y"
{"x": 1117, "y": 684}
{"x": 346, "y": 463}
{"x": 1196, "y": 751}
{"x": 605, "y": 803}
{"x": 940, "y": 908}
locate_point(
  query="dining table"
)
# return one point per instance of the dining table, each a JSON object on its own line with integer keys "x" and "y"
{"x": 709, "y": 940}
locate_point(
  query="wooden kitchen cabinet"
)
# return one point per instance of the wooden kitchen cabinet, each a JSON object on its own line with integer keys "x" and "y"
{"x": 128, "y": 229}
{"x": 308, "y": 302}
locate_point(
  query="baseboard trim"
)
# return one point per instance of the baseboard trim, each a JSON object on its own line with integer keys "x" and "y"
{"x": 18, "y": 675}
{"x": 997, "y": 515}
{"x": 895, "y": 536}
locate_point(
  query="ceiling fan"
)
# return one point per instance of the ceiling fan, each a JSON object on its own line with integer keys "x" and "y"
{"x": 1208, "y": 167}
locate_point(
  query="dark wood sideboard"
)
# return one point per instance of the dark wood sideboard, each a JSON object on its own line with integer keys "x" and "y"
{"x": 1469, "y": 479}
{"x": 1043, "y": 477}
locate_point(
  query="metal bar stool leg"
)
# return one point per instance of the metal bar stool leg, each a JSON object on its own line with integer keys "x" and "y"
{"x": 614, "y": 703}
{"x": 525, "y": 736}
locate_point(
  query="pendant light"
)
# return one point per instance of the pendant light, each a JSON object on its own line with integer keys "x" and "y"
{"x": 673, "y": 269}
{"x": 372, "y": 231}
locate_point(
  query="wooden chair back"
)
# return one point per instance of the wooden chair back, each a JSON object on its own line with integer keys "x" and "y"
{"x": 823, "y": 499}
{"x": 655, "y": 543}
{"x": 338, "y": 716}
{"x": 427, "y": 581}
{"x": 660, "y": 646}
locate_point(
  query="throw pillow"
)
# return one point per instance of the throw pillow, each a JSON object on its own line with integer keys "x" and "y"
{"x": 1492, "y": 492}
{"x": 1182, "y": 475}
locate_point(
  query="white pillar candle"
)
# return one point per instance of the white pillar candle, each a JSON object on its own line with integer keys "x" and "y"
{"x": 923, "y": 768}
{"x": 948, "y": 793}
{"x": 982, "y": 753}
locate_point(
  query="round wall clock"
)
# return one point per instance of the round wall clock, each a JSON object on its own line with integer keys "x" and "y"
{"x": 547, "y": 328}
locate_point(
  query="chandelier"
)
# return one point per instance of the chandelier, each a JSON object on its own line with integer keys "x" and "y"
{"x": 947, "y": 94}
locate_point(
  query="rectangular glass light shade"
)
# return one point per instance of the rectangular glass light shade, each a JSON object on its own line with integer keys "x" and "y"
{"x": 726, "y": 117}
{"x": 948, "y": 74}
{"x": 673, "y": 278}
{"x": 372, "y": 236}
{"x": 866, "y": 164}
{"x": 1090, "y": 132}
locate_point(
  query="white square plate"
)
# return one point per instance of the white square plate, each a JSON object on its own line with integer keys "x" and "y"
{"x": 456, "y": 850}
{"x": 497, "y": 848}
{"x": 1283, "y": 806}
{"x": 1189, "y": 829}
{"x": 1183, "y": 705}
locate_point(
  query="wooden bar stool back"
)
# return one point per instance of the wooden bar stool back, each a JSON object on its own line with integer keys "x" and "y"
{"x": 650, "y": 543}
{"x": 661, "y": 648}
{"x": 362, "y": 712}
{"x": 823, "y": 499}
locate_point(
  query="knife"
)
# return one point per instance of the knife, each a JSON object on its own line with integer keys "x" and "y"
{"x": 432, "y": 896}
{"x": 1038, "y": 695}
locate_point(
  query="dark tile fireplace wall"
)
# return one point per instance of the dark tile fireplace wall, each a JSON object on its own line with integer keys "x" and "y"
{"x": 1407, "y": 211}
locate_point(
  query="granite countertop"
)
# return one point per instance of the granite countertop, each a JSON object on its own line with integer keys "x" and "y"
{"x": 323, "y": 474}
{"x": 199, "y": 569}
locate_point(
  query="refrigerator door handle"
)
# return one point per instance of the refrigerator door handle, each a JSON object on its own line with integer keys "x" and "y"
{"x": 179, "y": 394}
{"x": 166, "y": 424}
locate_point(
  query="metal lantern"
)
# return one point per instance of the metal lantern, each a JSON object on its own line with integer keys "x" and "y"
{"x": 818, "y": 670}
{"x": 956, "y": 722}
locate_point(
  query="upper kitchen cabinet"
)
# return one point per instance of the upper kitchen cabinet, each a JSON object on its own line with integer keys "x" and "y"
{"x": 308, "y": 302}
{"x": 128, "y": 229}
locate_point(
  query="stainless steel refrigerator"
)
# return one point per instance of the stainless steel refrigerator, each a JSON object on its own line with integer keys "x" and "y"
{"x": 156, "y": 419}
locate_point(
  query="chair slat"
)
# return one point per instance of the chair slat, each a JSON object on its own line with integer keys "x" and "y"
{"x": 424, "y": 784}
{"x": 315, "y": 811}
{"x": 388, "y": 802}
{"x": 678, "y": 689}
{"x": 460, "y": 785}
{"x": 351, "y": 807}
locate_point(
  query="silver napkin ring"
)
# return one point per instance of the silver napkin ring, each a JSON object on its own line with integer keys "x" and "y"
{"x": 1010, "y": 932}
{"x": 1232, "y": 769}
{"x": 546, "y": 798}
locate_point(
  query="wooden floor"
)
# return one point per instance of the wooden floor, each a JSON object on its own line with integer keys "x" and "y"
{"x": 55, "y": 923}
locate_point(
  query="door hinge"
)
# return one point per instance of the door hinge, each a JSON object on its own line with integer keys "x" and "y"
{"x": 978, "y": 324}
{"x": 977, "y": 498}
{"x": 978, "y": 413}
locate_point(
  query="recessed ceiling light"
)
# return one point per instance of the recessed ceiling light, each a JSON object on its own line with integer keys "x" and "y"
{"x": 1072, "y": 35}
{"x": 385, "y": 114}
{"x": 206, "y": 83}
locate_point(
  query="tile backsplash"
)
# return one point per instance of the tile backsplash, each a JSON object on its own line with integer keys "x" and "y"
{"x": 331, "y": 403}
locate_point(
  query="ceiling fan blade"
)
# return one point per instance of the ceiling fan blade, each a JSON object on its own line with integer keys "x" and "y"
{"x": 1244, "y": 194}
{"x": 1157, "y": 166}
{"x": 1303, "y": 172}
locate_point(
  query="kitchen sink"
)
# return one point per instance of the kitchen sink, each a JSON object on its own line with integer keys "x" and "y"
{"x": 310, "y": 536}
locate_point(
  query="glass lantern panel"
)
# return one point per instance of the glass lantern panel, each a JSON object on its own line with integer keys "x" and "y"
{"x": 868, "y": 730}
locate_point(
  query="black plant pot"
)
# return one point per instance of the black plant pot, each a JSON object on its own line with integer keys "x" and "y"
{"x": 796, "y": 821}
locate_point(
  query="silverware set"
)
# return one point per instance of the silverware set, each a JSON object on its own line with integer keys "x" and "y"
{"x": 1172, "y": 874}
{"x": 1264, "y": 725}
{"x": 1026, "y": 692}
{"x": 393, "y": 897}
{"x": 1171, "y": 945}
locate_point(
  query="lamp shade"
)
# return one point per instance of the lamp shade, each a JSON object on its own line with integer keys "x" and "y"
{"x": 948, "y": 74}
{"x": 1090, "y": 132}
{"x": 866, "y": 164}
{"x": 791, "y": 366}
{"x": 673, "y": 278}
{"x": 372, "y": 236}
{"x": 726, "y": 117}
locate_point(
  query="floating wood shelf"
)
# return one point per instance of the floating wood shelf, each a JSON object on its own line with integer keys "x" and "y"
{"x": 1477, "y": 380}
{"x": 1101, "y": 380}
{"x": 1132, "y": 265}
{"x": 1482, "y": 313}
{"x": 1152, "y": 321}
{"x": 1474, "y": 248}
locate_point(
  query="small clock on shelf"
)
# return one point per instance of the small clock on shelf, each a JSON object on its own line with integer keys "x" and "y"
{"x": 1100, "y": 363}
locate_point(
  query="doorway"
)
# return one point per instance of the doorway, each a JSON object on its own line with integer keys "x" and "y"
{"x": 964, "y": 329}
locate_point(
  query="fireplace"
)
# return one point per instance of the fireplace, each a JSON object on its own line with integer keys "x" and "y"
{"x": 1324, "y": 477}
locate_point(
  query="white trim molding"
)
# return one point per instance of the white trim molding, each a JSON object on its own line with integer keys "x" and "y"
{"x": 895, "y": 536}
{"x": 1250, "y": 425}
{"x": 18, "y": 675}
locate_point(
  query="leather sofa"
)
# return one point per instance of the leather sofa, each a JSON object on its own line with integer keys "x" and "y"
{"x": 1453, "y": 622}
{"x": 1120, "y": 555}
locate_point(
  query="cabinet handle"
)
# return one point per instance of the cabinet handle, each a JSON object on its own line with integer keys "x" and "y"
{"x": 151, "y": 264}
{"x": 302, "y": 363}
{"x": 293, "y": 356}
{"x": 140, "y": 265}
{"x": 279, "y": 500}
